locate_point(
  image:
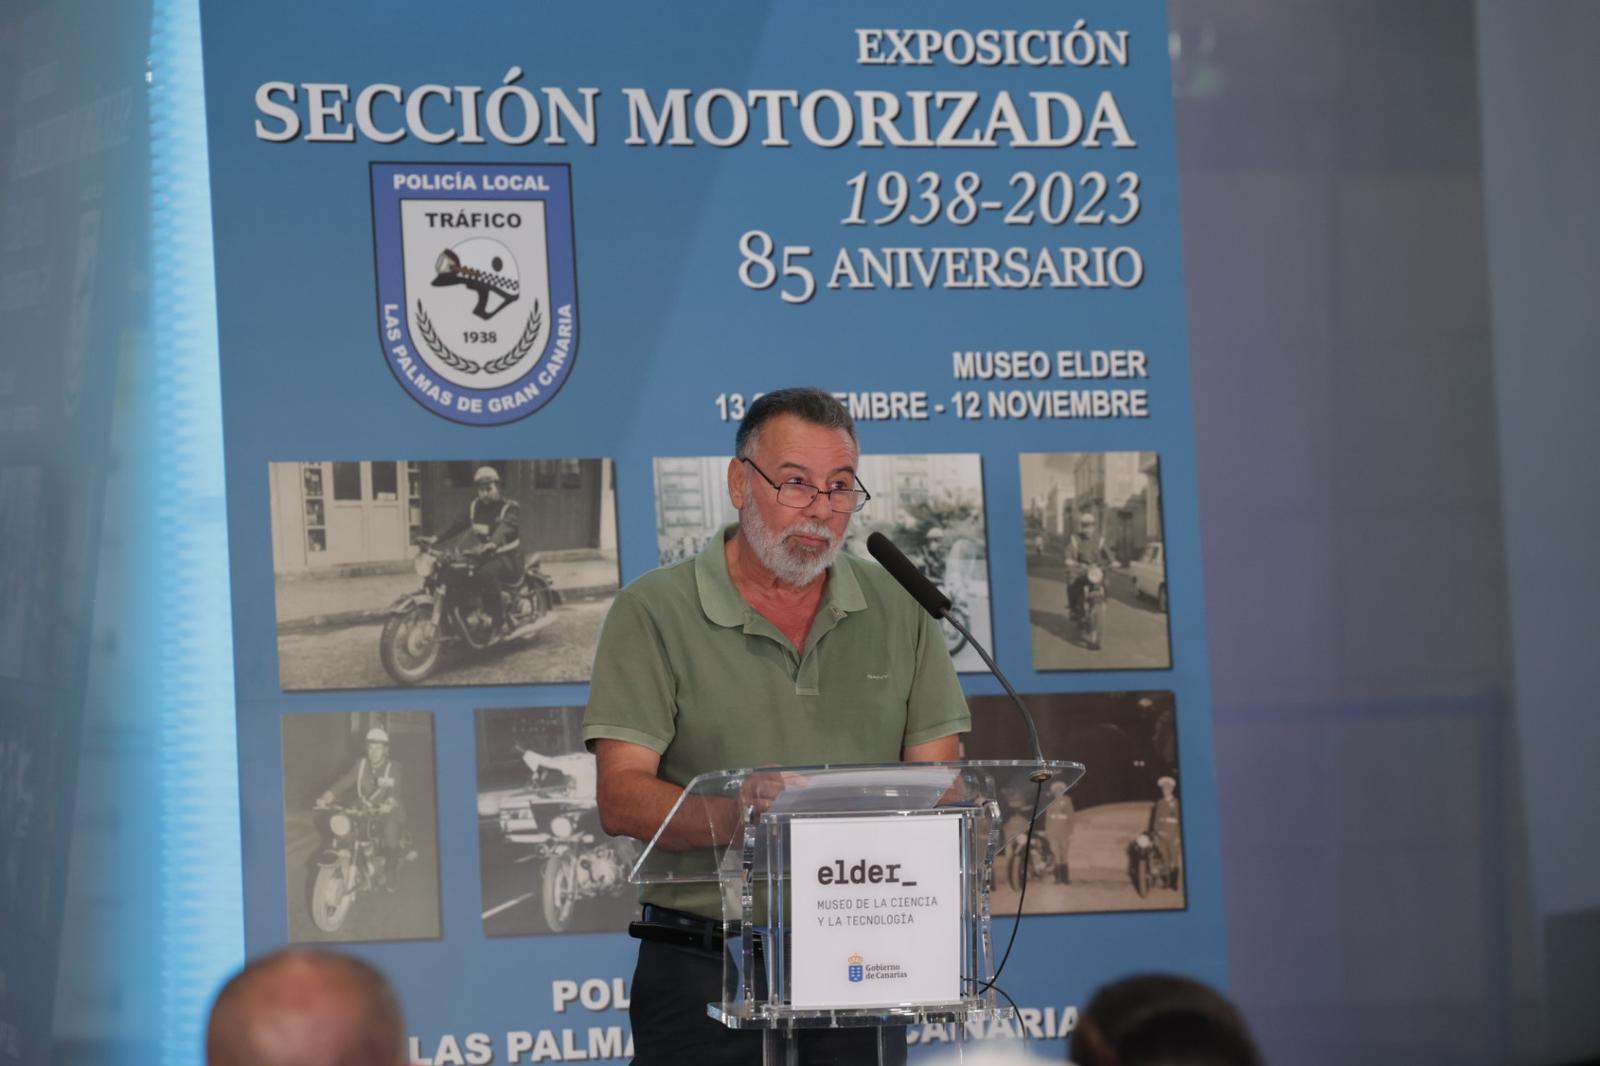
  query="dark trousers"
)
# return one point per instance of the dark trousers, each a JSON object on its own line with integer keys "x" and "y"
{"x": 495, "y": 573}
{"x": 671, "y": 987}
{"x": 1075, "y": 589}
{"x": 389, "y": 826}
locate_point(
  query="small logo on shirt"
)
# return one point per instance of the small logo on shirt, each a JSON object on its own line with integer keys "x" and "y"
{"x": 877, "y": 677}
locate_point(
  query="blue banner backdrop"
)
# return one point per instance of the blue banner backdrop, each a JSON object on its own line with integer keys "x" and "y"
{"x": 965, "y": 222}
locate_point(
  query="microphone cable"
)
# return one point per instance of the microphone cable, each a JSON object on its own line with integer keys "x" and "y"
{"x": 937, "y": 604}
{"x": 1022, "y": 894}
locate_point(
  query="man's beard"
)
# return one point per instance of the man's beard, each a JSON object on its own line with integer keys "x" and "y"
{"x": 787, "y": 561}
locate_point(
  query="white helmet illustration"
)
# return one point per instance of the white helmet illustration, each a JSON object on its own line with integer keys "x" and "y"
{"x": 485, "y": 266}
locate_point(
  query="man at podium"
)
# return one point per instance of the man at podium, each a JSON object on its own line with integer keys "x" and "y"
{"x": 770, "y": 647}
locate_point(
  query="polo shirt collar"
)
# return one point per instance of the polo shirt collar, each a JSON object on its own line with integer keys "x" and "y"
{"x": 722, "y": 603}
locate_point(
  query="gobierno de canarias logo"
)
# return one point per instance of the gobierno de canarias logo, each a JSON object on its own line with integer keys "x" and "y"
{"x": 477, "y": 285}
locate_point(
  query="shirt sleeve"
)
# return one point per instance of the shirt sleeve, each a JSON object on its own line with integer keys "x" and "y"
{"x": 937, "y": 707}
{"x": 631, "y": 688}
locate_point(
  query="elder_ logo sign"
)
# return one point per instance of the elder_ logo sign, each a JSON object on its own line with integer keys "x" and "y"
{"x": 876, "y": 911}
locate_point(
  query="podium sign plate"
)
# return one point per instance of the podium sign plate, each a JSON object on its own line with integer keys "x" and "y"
{"x": 876, "y": 911}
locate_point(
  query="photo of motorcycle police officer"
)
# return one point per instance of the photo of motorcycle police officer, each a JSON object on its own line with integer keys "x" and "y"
{"x": 495, "y": 541}
{"x": 360, "y": 834}
{"x": 473, "y": 572}
{"x": 547, "y": 866}
{"x": 1114, "y": 842}
{"x": 1097, "y": 578}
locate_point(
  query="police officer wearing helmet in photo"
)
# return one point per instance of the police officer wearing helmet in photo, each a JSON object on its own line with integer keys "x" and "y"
{"x": 1084, "y": 549}
{"x": 375, "y": 782}
{"x": 1166, "y": 828}
{"x": 1058, "y": 826}
{"x": 495, "y": 521}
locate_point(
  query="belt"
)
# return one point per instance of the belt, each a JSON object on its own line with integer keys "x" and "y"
{"x": 680, "y": 928}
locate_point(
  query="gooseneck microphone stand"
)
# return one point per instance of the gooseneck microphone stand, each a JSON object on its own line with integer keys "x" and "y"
{"x": 936, "y": 603}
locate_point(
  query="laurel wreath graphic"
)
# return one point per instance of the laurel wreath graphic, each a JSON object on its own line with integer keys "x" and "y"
{"x": 530, "y": 337}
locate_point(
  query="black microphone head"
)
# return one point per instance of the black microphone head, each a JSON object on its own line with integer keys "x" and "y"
{"x": 905, "y": 571}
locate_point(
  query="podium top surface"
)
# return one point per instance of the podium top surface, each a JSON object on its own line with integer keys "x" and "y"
{"x": 693, "y": 842}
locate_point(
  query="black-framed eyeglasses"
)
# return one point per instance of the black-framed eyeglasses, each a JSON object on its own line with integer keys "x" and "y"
{"x": 799, "y": 494}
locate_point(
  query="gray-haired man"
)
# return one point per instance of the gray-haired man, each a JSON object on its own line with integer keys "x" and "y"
{"x": 772, "y": 646}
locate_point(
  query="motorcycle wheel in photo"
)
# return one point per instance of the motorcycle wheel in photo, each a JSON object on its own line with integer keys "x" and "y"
{"x": 1041, "y": 863}
{"x": 409, "y": 645}
{"x": 560, "y": 895}
{"x": 590, "y": 869}
{"x": 331, "y": 897}
{"x": 954, "y": 639}
{"x": 424, "y": 626}
{"x": 581, "y": 867}
{"x": 1092, "y": 612}
{"x": 964, "y": 578}
{"x": 349, "y": 865}
{"x": 1147, "y": 869}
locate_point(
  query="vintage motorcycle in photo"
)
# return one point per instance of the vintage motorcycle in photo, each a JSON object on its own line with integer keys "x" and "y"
{"x": 579, "y": 863}
{"x": 350, "y": 863}
{"x": 1041, "y": 859}
{"x": 1090, "y": 613}
{"x": 1148, "y": 868}
{"x": 445, "y": 614}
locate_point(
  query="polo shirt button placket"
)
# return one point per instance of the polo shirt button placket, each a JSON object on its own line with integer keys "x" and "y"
{"x": 805, "y": 677}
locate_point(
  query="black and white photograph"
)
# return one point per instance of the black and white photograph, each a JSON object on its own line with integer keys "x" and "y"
{"x": 1097, "y": 578}
{"x": 547, "y": 867}
{"x": 1114, "y": 841}
{"x": 482, "y": 572}
{"x": 930, "y": 505}
{"x": 360, "y": 826}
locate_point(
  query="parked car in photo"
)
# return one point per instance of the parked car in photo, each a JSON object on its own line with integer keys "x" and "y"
{"x": 1149, "y": 574}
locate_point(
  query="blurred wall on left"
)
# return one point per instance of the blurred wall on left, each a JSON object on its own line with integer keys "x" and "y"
{"x": 74, "y": 225}
{"x": 97, "y": 288}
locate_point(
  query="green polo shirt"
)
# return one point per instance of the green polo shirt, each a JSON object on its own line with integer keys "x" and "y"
{"x": 688, "y": 669}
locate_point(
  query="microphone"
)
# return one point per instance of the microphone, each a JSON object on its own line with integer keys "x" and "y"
{"x": 911, "y": 579}
{"x": 937, "y": 604}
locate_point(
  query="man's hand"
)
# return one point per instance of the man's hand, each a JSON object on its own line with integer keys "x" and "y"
{"x": 325, "y": 800}
{"x": 762, "y": 788}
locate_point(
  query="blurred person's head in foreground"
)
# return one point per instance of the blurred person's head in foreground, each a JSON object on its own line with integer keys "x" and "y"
{"x": 1162, "y": 1020}
{"x": 306, "y": 1008}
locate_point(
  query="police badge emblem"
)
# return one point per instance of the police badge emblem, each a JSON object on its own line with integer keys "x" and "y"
{"x": 477, "y": 285}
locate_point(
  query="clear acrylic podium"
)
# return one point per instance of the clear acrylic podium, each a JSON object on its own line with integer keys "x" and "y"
{"x": 852, "y": 896}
